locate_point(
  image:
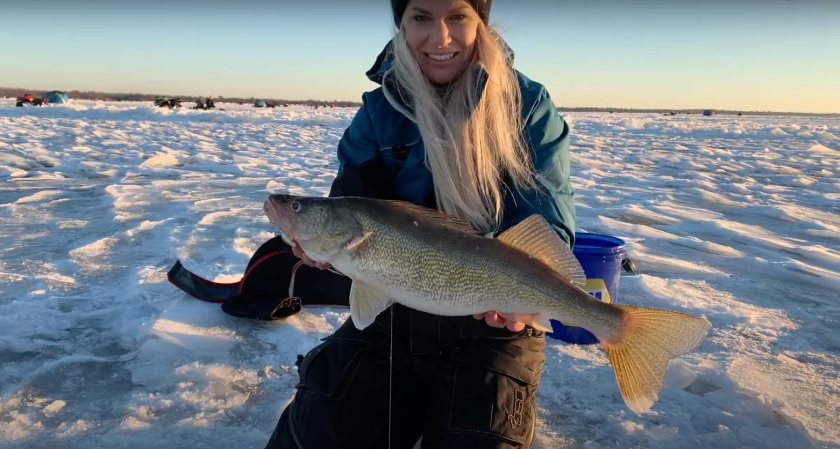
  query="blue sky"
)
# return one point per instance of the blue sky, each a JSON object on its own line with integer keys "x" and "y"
{"x": 778, "y": 55}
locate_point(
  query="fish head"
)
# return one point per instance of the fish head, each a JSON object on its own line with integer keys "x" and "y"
{"x": 320, "y": 226}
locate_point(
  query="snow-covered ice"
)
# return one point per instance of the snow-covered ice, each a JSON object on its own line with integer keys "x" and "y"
{"x": 733, "y": 218}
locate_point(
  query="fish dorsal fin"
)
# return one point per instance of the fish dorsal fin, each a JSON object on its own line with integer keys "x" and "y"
{"x": 535, "y": 237}
{"x": 435, "y": 216}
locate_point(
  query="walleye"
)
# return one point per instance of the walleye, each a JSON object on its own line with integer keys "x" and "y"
{"x": 425, "y": 259}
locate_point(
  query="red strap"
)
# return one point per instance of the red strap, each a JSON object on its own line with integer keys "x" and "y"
{"x": 248, "y": 271}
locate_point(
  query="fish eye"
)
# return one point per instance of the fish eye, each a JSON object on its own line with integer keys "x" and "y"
{"x": 295, "y": 206}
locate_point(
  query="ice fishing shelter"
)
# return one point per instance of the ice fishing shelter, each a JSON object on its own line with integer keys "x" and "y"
{"x": 259, "y": 104}
{"x": 56, "y": 97}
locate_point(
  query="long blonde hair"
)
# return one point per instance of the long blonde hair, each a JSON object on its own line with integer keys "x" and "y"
{"x": 473, "y": 137}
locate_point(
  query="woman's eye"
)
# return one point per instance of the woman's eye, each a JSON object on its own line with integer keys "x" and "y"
{"x": 420, "y": 18}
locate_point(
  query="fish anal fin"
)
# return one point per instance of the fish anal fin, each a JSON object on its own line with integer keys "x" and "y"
{"x": 650, "y": 338}
{"x": 535, "y": 237}
{"x": 366, "y": 302}
{"x": 434, "y": 216}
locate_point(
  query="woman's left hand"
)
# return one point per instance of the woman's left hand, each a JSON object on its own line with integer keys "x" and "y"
{"x": 302, "y": 256}
{"x": 494, "y": 319}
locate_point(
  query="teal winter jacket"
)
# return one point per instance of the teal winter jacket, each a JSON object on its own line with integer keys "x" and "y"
{"x": 381, "y": 155}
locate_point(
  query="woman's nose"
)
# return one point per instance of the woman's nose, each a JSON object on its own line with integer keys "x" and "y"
{"x": 440, "y": 35}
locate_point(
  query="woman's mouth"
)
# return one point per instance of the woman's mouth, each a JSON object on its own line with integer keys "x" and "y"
{"x": 441, "y": 57}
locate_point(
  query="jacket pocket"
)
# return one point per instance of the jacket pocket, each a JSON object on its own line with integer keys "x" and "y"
{"x": 494, "y": 392}
{"x": 493, "y": 403}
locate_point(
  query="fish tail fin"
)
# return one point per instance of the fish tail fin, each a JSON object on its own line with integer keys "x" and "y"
{"x": 649, "y": 339}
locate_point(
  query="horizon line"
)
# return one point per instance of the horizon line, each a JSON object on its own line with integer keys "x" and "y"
{"x": 359, "y": 103}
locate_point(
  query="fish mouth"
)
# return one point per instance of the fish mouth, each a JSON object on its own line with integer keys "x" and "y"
{"x": 277, "y": 210}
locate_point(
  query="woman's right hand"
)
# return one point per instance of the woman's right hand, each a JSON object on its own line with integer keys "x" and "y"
{"x": 494, "y": 319}
{"x": 302, "y": 256}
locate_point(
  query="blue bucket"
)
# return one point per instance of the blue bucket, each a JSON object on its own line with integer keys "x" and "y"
{"x": 601, "y": 257}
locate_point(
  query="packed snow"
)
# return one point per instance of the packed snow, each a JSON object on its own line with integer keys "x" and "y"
{"x": 733, "y": 218}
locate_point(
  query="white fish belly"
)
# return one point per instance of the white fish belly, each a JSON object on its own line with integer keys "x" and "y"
{"x": 443, "y": 308}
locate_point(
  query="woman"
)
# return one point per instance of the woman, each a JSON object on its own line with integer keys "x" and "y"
{"x": 452, "y": 126}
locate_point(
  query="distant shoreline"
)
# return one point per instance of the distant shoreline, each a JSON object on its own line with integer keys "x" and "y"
{"x": 14, "y": 92}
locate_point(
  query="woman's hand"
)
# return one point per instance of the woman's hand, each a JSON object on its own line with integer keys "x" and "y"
{"x": 496, "y": 320}
{"x": 302, "y": 256}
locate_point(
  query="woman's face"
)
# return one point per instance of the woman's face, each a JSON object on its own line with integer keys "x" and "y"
{"x": 441, "y": 35}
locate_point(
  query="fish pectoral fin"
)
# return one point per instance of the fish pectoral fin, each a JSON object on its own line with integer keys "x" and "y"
{"x": 353, "y": 244}
{"x": 366, "y": 302}
{"x": 535, "y": 237}
{"x": 537, "y": 321}
{"x": 649, "y": 340}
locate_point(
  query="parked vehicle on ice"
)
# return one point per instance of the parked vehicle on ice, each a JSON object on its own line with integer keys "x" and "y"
{"x": 28, "y": 100}
{"x": 166, "y": 102}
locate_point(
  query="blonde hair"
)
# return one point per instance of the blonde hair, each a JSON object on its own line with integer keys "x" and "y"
{"x": 473, "y": 137}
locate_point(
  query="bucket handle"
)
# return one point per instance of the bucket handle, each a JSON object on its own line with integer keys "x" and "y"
{"x": 628, "y": 265}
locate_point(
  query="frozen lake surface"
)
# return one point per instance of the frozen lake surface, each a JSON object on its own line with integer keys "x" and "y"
{"x": 733, "y": 218}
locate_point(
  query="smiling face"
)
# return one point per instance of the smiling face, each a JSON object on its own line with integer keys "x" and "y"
{"x": 441, "y": 35}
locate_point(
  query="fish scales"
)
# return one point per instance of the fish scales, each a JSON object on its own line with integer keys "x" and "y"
{"x": 467, "y": 273}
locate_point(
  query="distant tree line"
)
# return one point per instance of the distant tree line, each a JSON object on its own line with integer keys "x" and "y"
{"x": 13, "y": 92}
